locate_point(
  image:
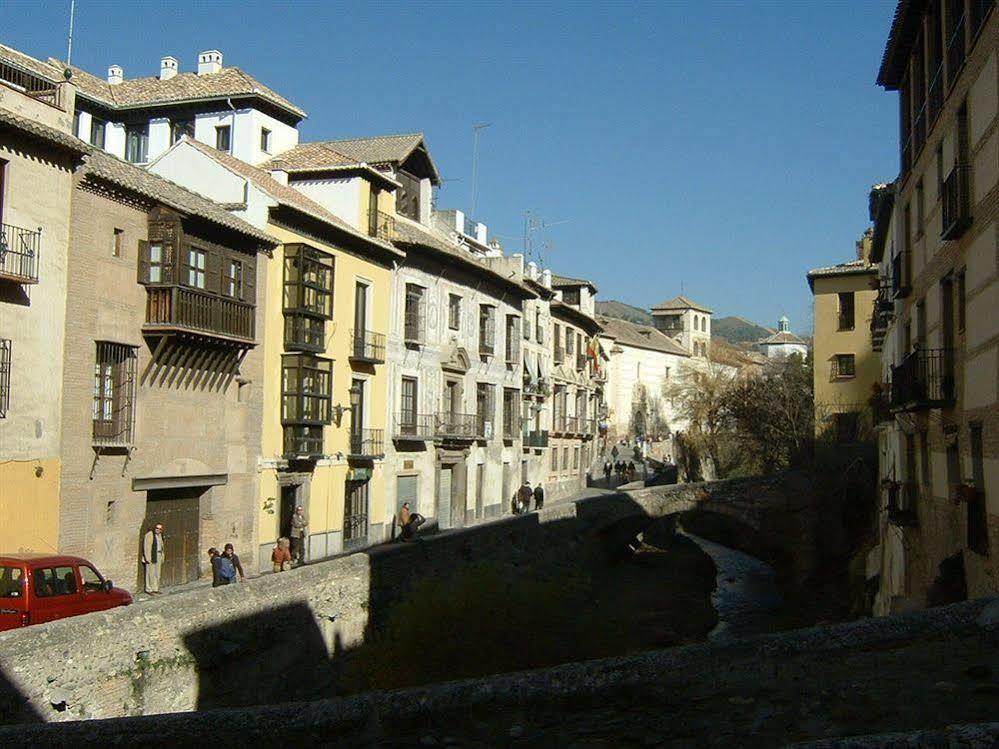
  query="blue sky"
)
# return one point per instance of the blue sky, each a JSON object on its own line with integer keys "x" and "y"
{"x": 725, "y": 146}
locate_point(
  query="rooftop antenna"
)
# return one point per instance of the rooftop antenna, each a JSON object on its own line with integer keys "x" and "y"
{"x": 476, "y": 129}
{"x": 534, "y": 222}
{"x": 69, "y": 45}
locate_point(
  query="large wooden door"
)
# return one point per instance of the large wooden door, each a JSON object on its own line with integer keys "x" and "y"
{"x": 179, "y": 510}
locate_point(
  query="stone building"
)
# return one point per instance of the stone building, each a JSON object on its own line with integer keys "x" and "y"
{"x": 137, "y": 119}
{"x": 325, "y": 378}
{"x": 537, "y": 390}
{"x": 935, "y": 242}
{"x": 37, "y": 159}
{"x": 577, "y": 385}
{"x": 847, "y": 367}
{"x": 783, "y": 343}
{"x": 642, "y": 362}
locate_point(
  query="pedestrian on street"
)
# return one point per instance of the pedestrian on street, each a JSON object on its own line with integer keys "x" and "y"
{"x": 631, "y": 470}
{"x": 230, "y": 552}
{"x": 524, "y": 495}
{"x": 539, "y": 497}
{"x": 608, "y": 469}
{"x": 281, "y": 556}
{"x": 403, "y": 520}
{"x": 152, "y": 558}
{"x": 299, "y": 533}
{"x": 223, "y": 570}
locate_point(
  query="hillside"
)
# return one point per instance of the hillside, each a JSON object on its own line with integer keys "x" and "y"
{"x": 622, "y": 311}
{"x": 738, "y": 330}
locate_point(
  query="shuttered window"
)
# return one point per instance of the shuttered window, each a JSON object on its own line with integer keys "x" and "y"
{"x": 406, "y": 491}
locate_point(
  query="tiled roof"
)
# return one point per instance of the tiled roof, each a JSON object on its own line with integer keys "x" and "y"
{"x": 381, "y": 149}
{"x": 680, "y": 302}
{"x": 309, "y": 157}
{"x": 411, "y": 234}
{"x": 640, "y": 336}
{"x": 150, "y": 90}
{"x": 104, "y": 166}
{"x": 559, "y": 281}
{"x": 283, "y": 194}
{"x": 854, "y": 267}
{"x": 112, "y": 169}
{"x": 782, "y": 337}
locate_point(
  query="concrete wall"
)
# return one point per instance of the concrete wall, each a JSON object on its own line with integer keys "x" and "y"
{"x": 341, "y": 196}
{"x": 38, "y": 185}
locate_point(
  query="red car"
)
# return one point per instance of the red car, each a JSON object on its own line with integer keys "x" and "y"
{"x": 36, "y": 588}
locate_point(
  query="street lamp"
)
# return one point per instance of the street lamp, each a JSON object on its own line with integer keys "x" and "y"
{"x": 355, "y": 401}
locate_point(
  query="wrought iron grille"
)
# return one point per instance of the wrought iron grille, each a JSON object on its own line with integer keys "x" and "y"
{"x": 355, "y": 517}
{"x": 114, "y": 394}
{"x": 19, "y": 250}
{"x": 4, "y": 376}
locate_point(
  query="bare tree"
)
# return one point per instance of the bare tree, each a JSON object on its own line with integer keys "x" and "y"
{"x": 699, "y": 398}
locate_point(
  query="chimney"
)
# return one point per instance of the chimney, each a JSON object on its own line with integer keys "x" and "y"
{"x": 115, "y": 75}
{"x": 209, "y": 61}
{"x": 168, "y": 68}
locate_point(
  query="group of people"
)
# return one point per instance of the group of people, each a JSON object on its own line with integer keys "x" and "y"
{"x": 625, "y": 471}
{"x": 409, "y": 523}
{"x": 226, "y": 567}
{"x": 523, "y": 496}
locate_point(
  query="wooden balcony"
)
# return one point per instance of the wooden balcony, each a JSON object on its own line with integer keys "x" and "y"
{"x": 367, "y": 443}
{"x": 19, "y": 250}
{"x": 304, "y": 333}
{"x": 182, "y": 309}
{"x": 302, "y": 441}
{"x": 367, "y": 346}
{"x": 924, "y": 380}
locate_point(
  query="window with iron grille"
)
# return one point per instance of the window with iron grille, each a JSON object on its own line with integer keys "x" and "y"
{"x": 114, "y": 394}
{"x": 355, "y": 514}
{"x": 454, "y": 312}
{"x": 844, "y": 365}
{"x": 414, "y": 314}
{"x": 4, "y": 376}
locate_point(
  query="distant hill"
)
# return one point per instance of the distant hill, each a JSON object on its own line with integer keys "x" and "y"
{"x": 738, "y": 330}
{"x": 622, "y": 311}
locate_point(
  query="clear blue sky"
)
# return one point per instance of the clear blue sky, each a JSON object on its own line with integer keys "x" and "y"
{"x": 727, "y": 145}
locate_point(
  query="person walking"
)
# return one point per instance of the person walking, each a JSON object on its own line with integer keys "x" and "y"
{"x": 281, "y": 556}
{"x": 608, "y": 469}
{"x": 153, "y": 557}
{"x": 631, "y": 470}
{"x": 233, "y": 557}
{"x": 299, "y": 533}
{"x": 539, "y": 497}
{"x": 403, "y": 519}
{"x": 524, "y": 495}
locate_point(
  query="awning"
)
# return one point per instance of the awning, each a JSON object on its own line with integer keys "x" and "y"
{"x": 542, "y": 368}
{"x": 530, "y": 369}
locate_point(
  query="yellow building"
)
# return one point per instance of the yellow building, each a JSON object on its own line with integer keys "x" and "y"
{"x": 847, "y": 369}
{"x": 327, "y": 298}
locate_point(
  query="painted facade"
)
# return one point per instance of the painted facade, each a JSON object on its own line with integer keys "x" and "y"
{"x": 935, "y": 241}
{"x": 35, "y": 190}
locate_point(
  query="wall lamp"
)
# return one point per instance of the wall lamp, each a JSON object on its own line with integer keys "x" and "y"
{"x": 355, "y": 401}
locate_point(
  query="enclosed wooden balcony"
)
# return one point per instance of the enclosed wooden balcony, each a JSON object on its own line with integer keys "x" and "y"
{"x": 183, "y": 309}
{"x": 303, "y": 442}
{"x": 19, "y": 250}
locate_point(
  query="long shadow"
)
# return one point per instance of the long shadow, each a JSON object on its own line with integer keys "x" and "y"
{"x": 14, "y": 704}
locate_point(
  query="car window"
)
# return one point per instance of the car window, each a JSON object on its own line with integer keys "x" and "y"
{"x": 55, "y": 581}
{"x": 11, "y": 582}
{"x": 92, "y": 580}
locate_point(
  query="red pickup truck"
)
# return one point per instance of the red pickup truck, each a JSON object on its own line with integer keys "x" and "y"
{"x": 36, "y": 588}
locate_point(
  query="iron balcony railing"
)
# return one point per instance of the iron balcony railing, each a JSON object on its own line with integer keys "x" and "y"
{"x": 924, "y": 379}
{"x": 381, "y": 225}
{"x": 903, "y": 499}
{"x": 367, "y": 443}
{"x": 28, "y": 83}
{"x": 19, "y": 250}
{"x": 199, "y": 311}
{"x": 956, "y": 210}
{"x": 535, "y": 439}
{"x": 355, "y": 530}
{"x": 367, "y": 346}
{"x": 304, "y": 333}
{"x": 455, "y": 426}
{"x": 415, "y": 426}
{"x": 900, "y": 274}
{"x": 935, "y": 99}
{"x": 881, "y": 315}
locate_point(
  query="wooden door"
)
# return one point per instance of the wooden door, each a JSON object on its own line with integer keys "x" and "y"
{"x": 179, "y": 510}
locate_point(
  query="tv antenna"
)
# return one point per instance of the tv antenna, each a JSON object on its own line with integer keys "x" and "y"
{"x": 69, "y": 43}
{"x": 533, "y": 223}
{"x": 476, "y": 130}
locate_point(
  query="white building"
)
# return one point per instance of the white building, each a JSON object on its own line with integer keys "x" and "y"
{"x": 137, "y": 119}
{"x": 783, "y": 343}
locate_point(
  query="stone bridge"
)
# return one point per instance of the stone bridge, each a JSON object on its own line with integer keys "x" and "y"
{"x": 266, "y": 641}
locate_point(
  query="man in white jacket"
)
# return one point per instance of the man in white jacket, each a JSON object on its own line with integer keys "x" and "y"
{"x": 152, "y": 558}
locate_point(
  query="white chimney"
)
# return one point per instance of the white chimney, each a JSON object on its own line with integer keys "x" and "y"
{"x": 546, "y": 278}
{"x": 168, "y": 68}
{"x": 532, "y": 270}
{"x": 279, "y": 175}
{"x": 115, "y": 75}
{"x": 209, "y": 61}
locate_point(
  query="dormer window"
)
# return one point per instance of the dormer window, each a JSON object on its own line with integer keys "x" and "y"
{"x": 180, "y": 128}
{"x": 407, "y": 197}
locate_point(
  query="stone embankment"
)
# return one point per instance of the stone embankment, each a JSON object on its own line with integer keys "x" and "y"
{"x": 899, "y": 681}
